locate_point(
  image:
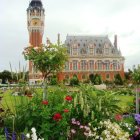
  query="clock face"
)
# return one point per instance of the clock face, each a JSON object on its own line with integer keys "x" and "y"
{"x": 35, "y": 22}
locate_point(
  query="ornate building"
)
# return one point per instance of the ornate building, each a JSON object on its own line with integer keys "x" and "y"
{"x": 35, "y": 23}
{"x": 87, "y": 54}
{"x": 92, "y": 55}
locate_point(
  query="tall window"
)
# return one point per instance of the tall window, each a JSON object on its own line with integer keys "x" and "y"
{"x": 99, "y": 65}
{"x": 67, "y": 66}
{"x": 91, "y": 64}
{"x": 74, "y": 64}
{"x": 83, "y": 64}
{"x": 107, "y": 64}
{"x": 91, "y": 50}
{"x": 75, "y": 50}
{"x": 114, "y": 64}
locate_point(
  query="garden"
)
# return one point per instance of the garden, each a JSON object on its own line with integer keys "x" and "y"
{"x": 79, "y": 111}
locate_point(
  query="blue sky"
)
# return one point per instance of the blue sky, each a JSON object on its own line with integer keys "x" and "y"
{"x": 86, "y": 17}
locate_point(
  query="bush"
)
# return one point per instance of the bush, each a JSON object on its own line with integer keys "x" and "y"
{"x": 95, "y": 79}
{"x": 53, "y": 81}
{"x": 118, "y": 79}
{"x": 74, "y": 81}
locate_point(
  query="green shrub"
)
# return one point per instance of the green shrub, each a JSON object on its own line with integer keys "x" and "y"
{"x": 74, "y": 81}
{"x": 53, "y": 81}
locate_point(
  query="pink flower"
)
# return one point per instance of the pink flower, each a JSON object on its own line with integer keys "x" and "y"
{"x": 118, "y": 117}
{"x": 81, "y": 126}
{"x": 73, "y": 122}
{"x": 78, "y": 123}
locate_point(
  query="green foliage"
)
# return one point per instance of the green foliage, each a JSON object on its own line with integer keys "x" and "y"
{"x": 74, "y": 81}
{"x": 95, "y": 79}
{"x": 53, "y": 80}
{"x": 94, "y": 105}
{"x": 118, "y": 80}
{"x": 40, "y": 116}
{"x": 136, "y": 75}
{"x": 5, "y": 75}
{"x": 47, "y": 59}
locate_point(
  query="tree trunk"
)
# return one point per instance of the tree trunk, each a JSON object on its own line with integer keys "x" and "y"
{"x": 45, "y": 89}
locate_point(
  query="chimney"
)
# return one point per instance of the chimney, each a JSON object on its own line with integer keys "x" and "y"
{"x": 58, "y": 39}
{"x": 115, "y": 41}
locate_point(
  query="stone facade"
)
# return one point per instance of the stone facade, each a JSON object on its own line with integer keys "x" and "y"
{"x": 91, "y": 55}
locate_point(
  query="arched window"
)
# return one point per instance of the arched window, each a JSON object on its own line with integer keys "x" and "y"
{"x": 99, "y": 65}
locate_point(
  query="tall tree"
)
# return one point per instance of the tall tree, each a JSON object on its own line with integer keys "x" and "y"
{"x": 47, "y": 59}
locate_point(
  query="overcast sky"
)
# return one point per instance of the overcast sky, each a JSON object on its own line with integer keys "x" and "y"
{"x": 86, "y": 17}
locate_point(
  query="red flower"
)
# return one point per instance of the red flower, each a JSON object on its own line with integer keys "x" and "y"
{"x": 57, "y": 117}
{"x": 68, "y": 98}
{"x": 66, "y": 110}
{"x": 45, "y": 102}
{"x": 118, "y": 117}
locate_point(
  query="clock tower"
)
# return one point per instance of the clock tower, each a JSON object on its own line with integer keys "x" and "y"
{"x": 35, "y": 24}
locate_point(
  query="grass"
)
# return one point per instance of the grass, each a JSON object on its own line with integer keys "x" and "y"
{"x": 9, "y": 101}
{"x": 125, "y": 100}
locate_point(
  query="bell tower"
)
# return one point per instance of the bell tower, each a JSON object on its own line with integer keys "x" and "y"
{"x": 35, "y": 24}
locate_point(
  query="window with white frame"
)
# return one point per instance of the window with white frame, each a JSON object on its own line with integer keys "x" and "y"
{"x": 83, "y": 64}
{"x": 75, "y": 65}
{"x": 107, "y": 64}
{"x": 114, "y": 64}
{"x": 91, "y": 64}
{"x": 99, "y": 65}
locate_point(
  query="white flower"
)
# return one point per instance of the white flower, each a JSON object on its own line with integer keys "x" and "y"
{"x": 73, "y": 131}
{"x": 87, "y": 128}
{"x": 28, "y": 135}
{"x": 33, "y": 130}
